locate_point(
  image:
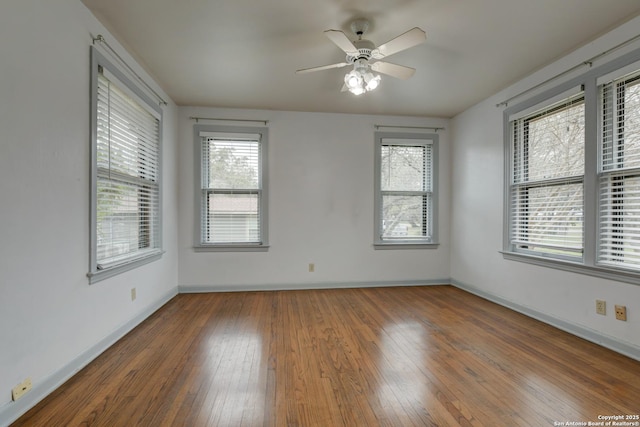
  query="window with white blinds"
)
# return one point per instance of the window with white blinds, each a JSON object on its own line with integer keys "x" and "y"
{"x": 547, "y": 179}
{"x": 573, "y": 174}
{"x": 405, "y": 189}
{"x": 619, "y": 178}
{"x": 231, "y": 200}
{"x": 126, "y": 175}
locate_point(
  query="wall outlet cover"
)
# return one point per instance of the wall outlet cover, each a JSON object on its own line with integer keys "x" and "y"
{"x": 18, "y": 391}
{"x": 621, "y": 312}
{"x": 601, "y": 307}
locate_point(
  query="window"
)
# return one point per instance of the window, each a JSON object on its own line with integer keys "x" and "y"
{"x": 548, "y": 179}
{"x": 620, "y": 174}
{"x": 405, "y": 187}
{"x": 573, "y": 174}
{"x": 125, "y": 199}
{"x": 232, "y": 193}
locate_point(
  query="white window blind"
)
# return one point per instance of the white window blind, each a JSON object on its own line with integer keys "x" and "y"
{"x": 406, "y": 190}
{"x": 619, "y": 203}
{"x": 231, "y": 189}
{"x": 127, "y": 184}
{"x": 546, "y": 189}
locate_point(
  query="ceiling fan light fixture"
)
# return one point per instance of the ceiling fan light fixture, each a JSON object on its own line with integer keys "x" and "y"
{"x": 359, "y": 90}
{"x": 361, "y": 80}
{"x": 371, "y": 81}
{"x": 353, "y": 79}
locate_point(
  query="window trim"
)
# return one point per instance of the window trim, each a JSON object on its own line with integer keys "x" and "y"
{"x": 95, "y": 273}
{"x": 564, "y": 100}
{"x": 589, "y": 264}
{"x": 262, "y": 246}
{"x": 378, "y": 242}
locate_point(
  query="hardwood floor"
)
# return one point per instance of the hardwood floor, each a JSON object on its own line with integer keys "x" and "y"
{"x": 416, "y": 356}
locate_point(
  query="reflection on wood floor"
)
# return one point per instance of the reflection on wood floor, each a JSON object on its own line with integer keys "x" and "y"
{"x": 412, "y": 356}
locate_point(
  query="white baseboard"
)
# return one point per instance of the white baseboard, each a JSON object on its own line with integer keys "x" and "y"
{"x": 13, "y": 410}
{"x": 596, "y": 337}
{"x": 313, "y": 285}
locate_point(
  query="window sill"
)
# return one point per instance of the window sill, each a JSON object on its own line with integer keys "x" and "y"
{"x": 231, "y": 248}
{"x": 99, "y": 275}
{"x": 618, "y": 275}
{"x": 405, "y": 245}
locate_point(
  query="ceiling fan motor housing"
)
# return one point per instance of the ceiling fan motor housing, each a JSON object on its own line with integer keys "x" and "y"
{"x": 365, "y": 48}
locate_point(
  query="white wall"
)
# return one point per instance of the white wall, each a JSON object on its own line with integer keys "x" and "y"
{"x": 320, "y": 208}
{"x": 564, "y": 298}
{"x": 49, "y": 314}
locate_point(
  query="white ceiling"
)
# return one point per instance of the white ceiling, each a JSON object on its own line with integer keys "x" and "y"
{"x": 244, "y": 53}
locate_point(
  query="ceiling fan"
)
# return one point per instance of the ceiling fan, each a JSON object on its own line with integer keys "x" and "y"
{"x": 361, "y": 52}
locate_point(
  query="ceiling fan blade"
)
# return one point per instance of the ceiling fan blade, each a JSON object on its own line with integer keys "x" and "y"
{"x": 324, "y": 67}
{"x": 342, "y": 41}
{"x": 393, "y": 70}
{"x": 411, "y": 38}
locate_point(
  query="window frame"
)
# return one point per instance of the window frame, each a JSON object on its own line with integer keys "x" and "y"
{"x": 98, "y": 272}
{"x": 263, "y": 244}
{"x": 415, "y": 140}
{"x": 519, "y": 135}
{"x": 614, "y": 172}
{"x": 588, "y": 264}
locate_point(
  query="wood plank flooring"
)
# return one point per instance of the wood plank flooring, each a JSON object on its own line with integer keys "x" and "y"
{"x": 415, "y": 356}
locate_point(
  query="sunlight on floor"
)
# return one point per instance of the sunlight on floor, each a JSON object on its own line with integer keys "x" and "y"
{"x": 401, "y": 355}
{"x": 236, "y": 392}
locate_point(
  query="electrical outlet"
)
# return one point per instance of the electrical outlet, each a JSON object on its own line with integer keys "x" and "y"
{"x": 601, "y": 307}
{"x": 18, "y": 391}
{"x": 133, "y": 294}
{"x": 621, "y": 312}
{"x": 312, "y": 267}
